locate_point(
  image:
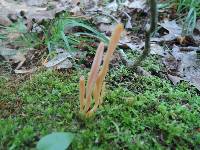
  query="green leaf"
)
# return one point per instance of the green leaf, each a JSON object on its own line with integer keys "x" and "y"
{"x": 65, "y": 39}
{"x": 55, "y": 141}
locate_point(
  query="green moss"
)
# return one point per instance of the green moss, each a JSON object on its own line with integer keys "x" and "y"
{"x": 7, "y": 127}
{"x": 137, "y": 113}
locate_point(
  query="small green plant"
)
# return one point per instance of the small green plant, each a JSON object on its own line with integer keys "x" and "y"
{"x": 182, "y": 6}
{"x": 18, "y": 35}
{"x": 185, "y": 6}
{"x": 189, "y": 22}
{"x": 59, "y": 33}
{"x": 188, "y": 8}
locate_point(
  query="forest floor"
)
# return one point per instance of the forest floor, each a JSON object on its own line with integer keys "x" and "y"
{"x": 44, "y": 53}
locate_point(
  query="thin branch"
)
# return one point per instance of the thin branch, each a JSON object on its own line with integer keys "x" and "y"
{"x": 149, "y": 30}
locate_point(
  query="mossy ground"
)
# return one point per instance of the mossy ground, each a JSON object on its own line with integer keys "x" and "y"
{"x": 138, "y": 112}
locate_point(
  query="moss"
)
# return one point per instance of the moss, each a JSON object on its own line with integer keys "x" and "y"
{"x": 141, "y": 113}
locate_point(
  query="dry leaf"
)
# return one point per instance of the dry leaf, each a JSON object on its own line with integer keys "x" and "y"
{"x": 107, "y": 28}
{"x": 156, "y": 49}
{"x": 137, "y": 4}
{"x": 183, "y": 65}
{"x": 64, "y": 65}
{"x": 76, "y": 11}
{"x": 4, "y": 19}
{"x": 59, "y": 59}
{"x": 103, "y": 19}
{"x": 175, "y": 79}
{"x": 198, "y": 25}
{"x": 75, "y": 2}
{"x": 13, "y": 56}
{"x": 25, "y": 71}
{"x": 112, "y": 6}
{"x": 173, "y": 28}
{"x": 36, "y": 2}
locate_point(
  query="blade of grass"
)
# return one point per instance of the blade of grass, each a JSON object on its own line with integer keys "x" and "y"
{"x": 64, "y": 37}
{"x": 92, "y": 35}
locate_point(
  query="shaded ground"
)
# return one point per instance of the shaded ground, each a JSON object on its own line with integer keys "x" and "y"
{"x": 138, "y": 111}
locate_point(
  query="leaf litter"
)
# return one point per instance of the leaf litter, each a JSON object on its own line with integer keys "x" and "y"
{"x": 183, "y": 65}
{"x": 180, "y": 64}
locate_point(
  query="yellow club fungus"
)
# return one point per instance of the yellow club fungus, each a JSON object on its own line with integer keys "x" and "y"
{"x": 95, "y": 84}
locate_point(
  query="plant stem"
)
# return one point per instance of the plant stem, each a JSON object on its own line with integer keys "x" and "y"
{"x": 149, "y": 30}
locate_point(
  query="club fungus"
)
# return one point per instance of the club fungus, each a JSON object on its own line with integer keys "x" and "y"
{"x": 95, "y": 85}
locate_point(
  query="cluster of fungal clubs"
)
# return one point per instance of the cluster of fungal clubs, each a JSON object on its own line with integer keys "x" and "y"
{"x": 96, "y": 85}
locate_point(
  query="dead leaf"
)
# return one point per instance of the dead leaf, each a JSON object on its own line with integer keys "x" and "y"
{"x": 197, "y": 27}
{"x": 75, "y": 2}
{"x": 175, "y": 79}
{"x": 112, "y": 6}
{"x": 4, "y": 20}
{"x": 186, "y": 40}
{"x": 18, "y": 7}
{"x": 25, "y": 71}
{"x": 187, "y": 59}
{"x": 13, "y": 56}
{"x": 143, "y": 72}
{"x": 189, "y": 48}
{"x": 106, "y": 28}
{"x": 31, "y": 9}
{"x": 76, "y": 11}
{"x": 192, "y": 75}
{"x": 128, "y": 43}
{"x": 128, "y": 23}
{"x": 103, "y": 19}
{"x": 64, "y": 65}
{"x": 88, "y": 4}
{"x": 156, "y": 49}
{"x": 173, "y": 28}
{"x": 38, "y": 16}
{"x": 137, "y": 4}
{"x": 36, "y": 2}
{"x": 60, "y": 58}
{"x": 172, "y": 65}
{"x": 183, "y": 65}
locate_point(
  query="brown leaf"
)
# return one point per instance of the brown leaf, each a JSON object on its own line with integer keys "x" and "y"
{"x": 60, "y": 61}
{"x": 23, "y": 71}
{"x": 172, "y": 65}
{"x": 13, "y": 56}
{"x": 198, "y": 25}
{"x": 76, "y": 10}
{"x": 4, "y": 19}
{"x": 173, "y": 28}
{"x": 112, "y": 6}
{"x": 175, "y": 79}
{"x": 157, "y": 49}
{"x": 107, "y": 28}
{"x": 75, "y": 2}
{"x": 36, "y": 2}
{"x": 138, "y": 4}
{"x": 183, "y": 65}
{"x": 31, "y": 9}
{"x": 192, "y": 75}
